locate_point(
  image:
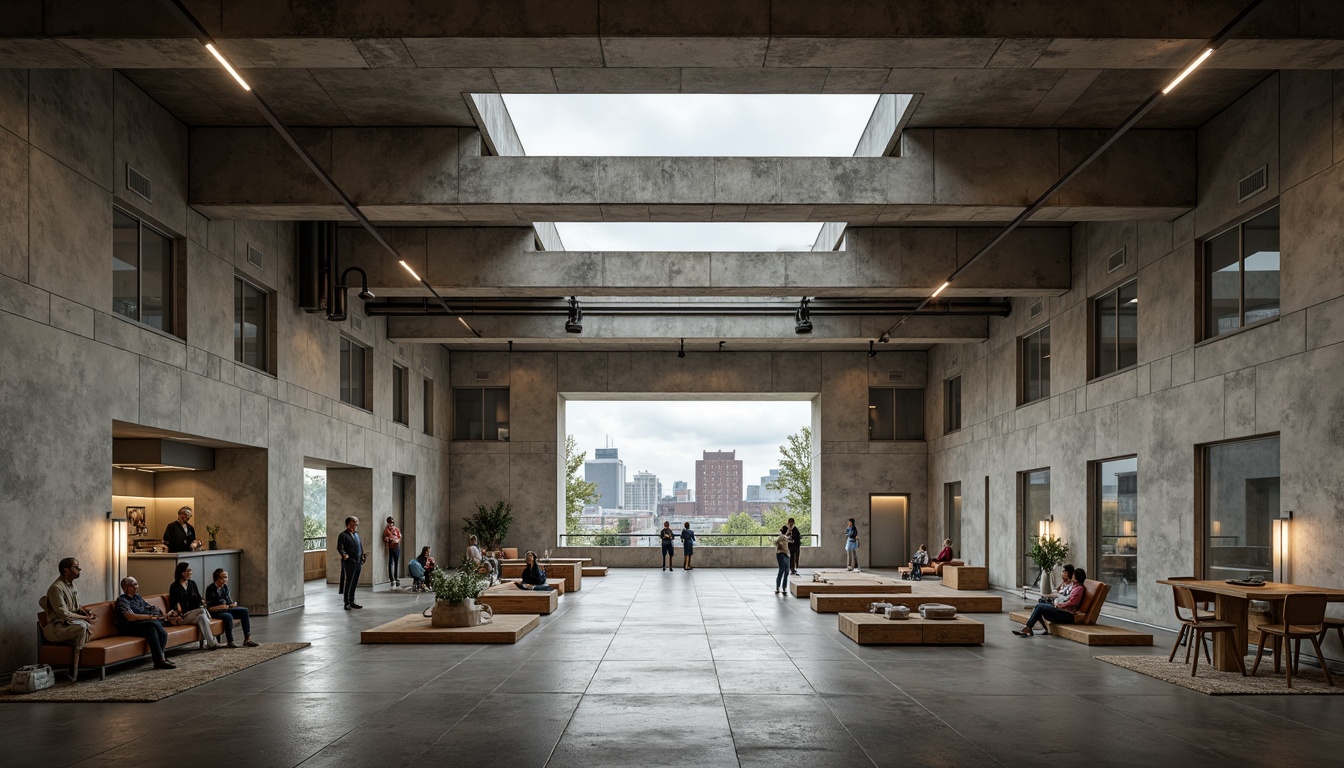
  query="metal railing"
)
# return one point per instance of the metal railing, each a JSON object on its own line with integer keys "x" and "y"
{"x": 314, "y": 543}
{"x": 651, "y": 539}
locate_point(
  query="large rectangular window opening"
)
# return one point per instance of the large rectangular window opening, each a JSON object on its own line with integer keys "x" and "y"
{"x": 1034, "y": 518}
{"x": 952, "y": 516}
{"x": 401, "y": 395}
{"x": 1034, "y": 366}
{"x": 1241, "y": 502}
{"x": 734, "y": 469}
{"x": 1241, "y": 275}
{"x": 952, "y": 405}
{"x": 251, "y": 324}
{"x": 1117, "y": 526}
{"x": 1116, "y": 329}
{"x": 481, "y": 413}
{"x": 142, "y": 271}
{"x": 895, "y": 413}
{"x": 354, "y": 373}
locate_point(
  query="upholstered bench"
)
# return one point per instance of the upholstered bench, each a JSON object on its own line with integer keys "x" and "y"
{"x": 107, "y": 648}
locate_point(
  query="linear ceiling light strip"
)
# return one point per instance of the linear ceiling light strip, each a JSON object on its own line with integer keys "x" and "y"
{"x": 1213, "y": 45}
{"x": 204, "y": 38}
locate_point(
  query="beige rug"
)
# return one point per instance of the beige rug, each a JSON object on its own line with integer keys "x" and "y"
{"x": 1308, "y": 680}
{"x": 139, "y": 681}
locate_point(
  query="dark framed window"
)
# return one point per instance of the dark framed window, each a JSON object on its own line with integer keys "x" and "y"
{"x": 251, "y": 324}
{"x": 1034, "y": 364}
{"x": 1116, "y": 513}
{"x": 952, "y": 516}
{"x": 481, "y": 413}
{"x": 1033, "y": 516}
{"x": 1241, "y": 502}
{"x": 895, "y": 413}
{"x": 354, "y": 359}
{"x": 952, "y": 405}
{"x": 401, "y": 393}
{"x": 427, "y": 403}
{"x": 1241, "y": 274}
{"x": 1115, "y": 339}
{"x": 142, "y": 271}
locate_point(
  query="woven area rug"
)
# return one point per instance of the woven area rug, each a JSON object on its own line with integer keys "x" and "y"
{"x": 1308, "y": 680}
{"x": 139, "y": 681}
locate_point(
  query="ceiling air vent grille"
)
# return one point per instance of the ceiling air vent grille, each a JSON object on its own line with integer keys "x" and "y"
{"x": 356, "y": 323}
{"x": 1115, "y": 261}
{"x": 1252, "y": 184}
{"x": 254, "y": 257}
{"x": 952, "y": 363}
{"x": 139, "y": 183}
{"x": 401, "y": 352}
{"x": 895, "y": 376}
{"x": 482, "y": 375}
{"x": 1035, "y": 309}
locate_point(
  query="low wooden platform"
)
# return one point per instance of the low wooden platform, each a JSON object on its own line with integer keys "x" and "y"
{"x": 870, "y": 629}
{"x": 809, "y": 588}
{"x": 965, "y": 576}
{"x": 1090, "y": 634}
{"x": 506, "y": 598}
{"x": 590, "y": 571}
{"x": 824, "y": 603}
{"x": 571, "y": 572}
{"x": 559, "y": 585}
{"x": 506, "y": 628}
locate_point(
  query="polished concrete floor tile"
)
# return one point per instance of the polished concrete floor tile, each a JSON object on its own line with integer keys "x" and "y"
{"x": 647, "y": 731}
{"x": 671, "y": 677}
{"x": 761, "y": 677}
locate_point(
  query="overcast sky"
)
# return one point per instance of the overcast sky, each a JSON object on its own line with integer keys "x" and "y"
{"x": 666, "y": 437}
{"x": 689, "y": 125}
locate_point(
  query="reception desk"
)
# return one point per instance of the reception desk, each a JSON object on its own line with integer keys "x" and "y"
{"x": 155, "y": 571}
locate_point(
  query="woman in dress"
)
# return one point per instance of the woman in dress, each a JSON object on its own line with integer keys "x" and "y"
{"x": 852, "y": 546}
{"x": 687, "y": 546}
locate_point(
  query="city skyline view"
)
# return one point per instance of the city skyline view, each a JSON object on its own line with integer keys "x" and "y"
{"x": 667, "y": 437}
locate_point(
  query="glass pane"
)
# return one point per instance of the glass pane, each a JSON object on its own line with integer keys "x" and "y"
{"x": 238, "y": 320}
{"x": 250, "y": 332}
{"x": 1261, "y": 266}
{"x": 1031, "y": 369}
{"x": 952, "y": 502}
{"x": 1222, "y": 285}
{"x": 1106, "y": 334}
{"x": 357, "y": 394}
{"x": 345, "y": 370}
{"x": 399, "y": 391}
{"x": 1118, "y": 528}
{"x": 1035, "y": 510}
{"x": 125, "y": 265}
{"x": 881, "y": 413}
{"x": 496, "y": 414}
{"x": 1241, "y": 497}
{"x": 427, "y": 402}
{"x": 952, "y": 399}
{"x": 467, "y": 414}
{"x": 1045, "y": 361}
{"x": 909, "y": 414}
{"x": 1127, "y": 339}
{"x": 156, "y": 280}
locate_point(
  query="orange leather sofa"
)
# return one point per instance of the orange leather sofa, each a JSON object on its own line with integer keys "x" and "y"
{"x": 106, "y": 647}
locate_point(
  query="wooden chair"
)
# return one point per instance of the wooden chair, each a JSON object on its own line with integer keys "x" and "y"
{"x": 1198, "y": 627}
{"x": 1331, "y": 622}
{"x": 1303, "y": 619}
{"x": 1204, "y": 602}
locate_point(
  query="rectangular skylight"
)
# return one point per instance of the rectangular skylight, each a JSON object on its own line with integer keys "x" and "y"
{"x": 688, "y": 236}
{"x": 689, "y": 124}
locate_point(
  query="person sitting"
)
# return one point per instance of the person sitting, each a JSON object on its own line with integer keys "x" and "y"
{"x": 534, "y": 578}
{"x": 417, "y": 572}
{"x": 136, "y": 617}
{"x": 1064, "y": 587}
{"x": 223, "y": 607}
{"x": 918, "y": 562}
{"x": 184, "y": 598}
{"x": 1060, "y": 611}
{"x": 426, "y": 561}
{"x": 67, "y": 620}
{"x": 945, "y": 554}
{"x": 490, "y": 563}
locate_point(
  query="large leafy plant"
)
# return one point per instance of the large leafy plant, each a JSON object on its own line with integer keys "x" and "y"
{"x": 490, "y": 524}
{"x": 461, "y": 583}
{"x": 1048, "y": 551}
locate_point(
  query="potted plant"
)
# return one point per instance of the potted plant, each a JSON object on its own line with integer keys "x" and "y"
{"x": 455, "y": 593}
{"x": 490, "y": 524}
{"x": 1048, "y": 553}
{"x": 213, "y": 530}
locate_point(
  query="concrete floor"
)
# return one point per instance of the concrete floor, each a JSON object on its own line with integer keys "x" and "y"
{"x": 646, "y": 668}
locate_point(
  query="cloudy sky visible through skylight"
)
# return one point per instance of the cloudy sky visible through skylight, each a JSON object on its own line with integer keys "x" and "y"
{"x": 689, "y": 125}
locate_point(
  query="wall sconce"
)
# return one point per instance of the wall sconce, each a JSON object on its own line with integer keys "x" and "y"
{"x": 1282, "y": 547}
{"x": 1044, "y": 526}
{"x": 1217, "y": 528}
{"x": 116, "y": 555}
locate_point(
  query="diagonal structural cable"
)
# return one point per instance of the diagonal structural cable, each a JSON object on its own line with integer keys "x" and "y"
{"x": 1214, "y": 44}
{"x": 204, "y": 38}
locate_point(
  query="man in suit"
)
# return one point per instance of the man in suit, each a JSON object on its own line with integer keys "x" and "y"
{"x": 795, "y": 547}
{"x": 179, "y": 535}
{"x": 352, "y": 554}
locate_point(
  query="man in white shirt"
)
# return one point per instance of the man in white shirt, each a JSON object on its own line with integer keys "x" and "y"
{"x": 474, "y": 554}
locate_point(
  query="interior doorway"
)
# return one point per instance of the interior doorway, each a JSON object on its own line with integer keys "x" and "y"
{"x": 888, "y": 520}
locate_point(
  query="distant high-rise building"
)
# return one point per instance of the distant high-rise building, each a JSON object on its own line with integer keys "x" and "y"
{"x": 769, "y": 493}
{"x": 718, "y": 484}
{"x": 682, "y": 491}
{"x": 607, "y": 471}
{"x": 643, "y": 492}
{"x": 753, "y": 493}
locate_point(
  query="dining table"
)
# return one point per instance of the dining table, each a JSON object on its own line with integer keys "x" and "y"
{"x": 1232, "y": 604}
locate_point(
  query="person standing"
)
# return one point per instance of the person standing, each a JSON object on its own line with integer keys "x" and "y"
{"x": 184, "y": 597}
{"x": 179, "y": 535}
{"x": 669, "y": 550}
{"x": 392, "y": 536}
{"x": 136, "y": 617}
{"x": 795, "y": 546}
{"x": 67, "y": 620}
{"x": 223, "y": 606}
{"x": 851, "y": 546}
{"x": 352, "y": 554}
{"x": 782, "y": 545}
{"x": 687, "y": 546}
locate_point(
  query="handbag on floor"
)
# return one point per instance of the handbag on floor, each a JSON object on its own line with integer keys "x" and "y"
{"x": 34, "y": 677}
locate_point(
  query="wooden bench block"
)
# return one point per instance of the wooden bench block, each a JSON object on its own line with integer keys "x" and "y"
{"x": 1090, "y": 634}
{"x": 558, "y": 584}
{"x": 506, "y": 628}
{"x": 590, "y": 571}
{"x": 966, "y": 576}
{"x": 571, "y": 572}
{"x": 506, "y": 598}
{"x": 824, "y": 603}
{"x": 808, "y": 588}
{"x": 870, "y": 629}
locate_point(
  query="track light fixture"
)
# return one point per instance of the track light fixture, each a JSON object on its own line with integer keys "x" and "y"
{"x": 575, "y": 322}
{"x": 682, "y": 352}
{"x": 802, "y": 319}
{"x": 871, "y": 351}
{"x": 721, "y": 343}
{"x": 884, "y": 338}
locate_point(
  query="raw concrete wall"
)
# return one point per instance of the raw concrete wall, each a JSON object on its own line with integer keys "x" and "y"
{"x": 526, "y": 470}
{"x": 1280, "y": 377}
{"x": 69, "y": 367}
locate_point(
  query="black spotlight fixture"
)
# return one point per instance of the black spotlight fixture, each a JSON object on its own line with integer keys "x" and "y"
{"x": 883, "y": 339}
{"x": 682, "y": 352}
{"x": 721, "y": 343}
{"x": 871, "y": 351}
{"x": 802, "y": 319}
{"x": 575, "y": 322}
{"x": 336, "y": 303}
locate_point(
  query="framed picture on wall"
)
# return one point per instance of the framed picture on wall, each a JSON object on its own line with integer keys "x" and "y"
{"x": 135, "y": 518}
